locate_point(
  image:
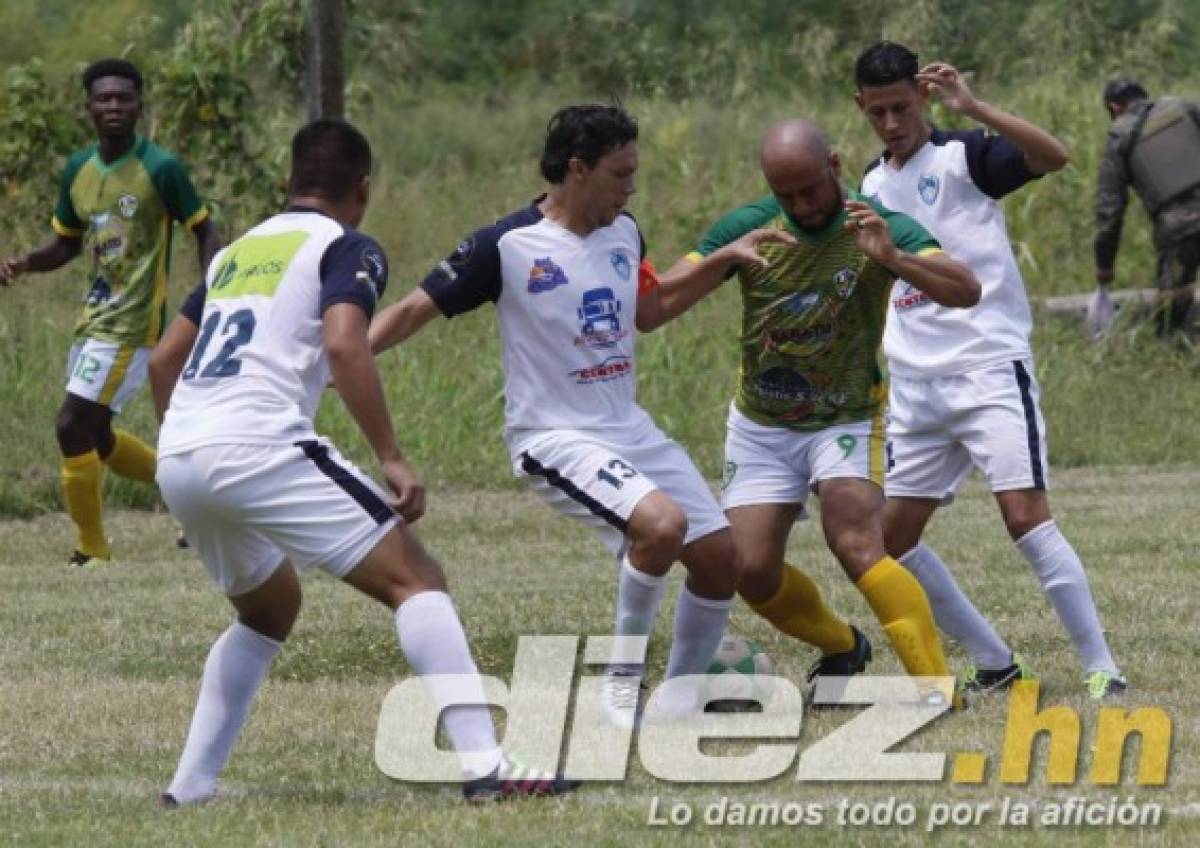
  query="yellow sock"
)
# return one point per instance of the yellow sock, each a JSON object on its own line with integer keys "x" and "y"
{"x": 902, "y": 608}
{"x": 797, "y": 610}
{"x": 132, "y": 458}
{"x": 81, "y": 489}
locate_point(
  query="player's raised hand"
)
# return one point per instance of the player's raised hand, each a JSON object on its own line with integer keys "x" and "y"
{"x": 408, "y": 488}
{"x": 870, "y": 232}
{"x": 744, "y": 251}
{"x": 948, "y": 84}
{"x": 11, "y": 268}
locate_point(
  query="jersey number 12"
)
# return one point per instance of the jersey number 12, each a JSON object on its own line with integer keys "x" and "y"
{"x": 239, "y": 329}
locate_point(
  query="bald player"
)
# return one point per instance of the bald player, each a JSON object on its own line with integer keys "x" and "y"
{"x": 808, "y": 410}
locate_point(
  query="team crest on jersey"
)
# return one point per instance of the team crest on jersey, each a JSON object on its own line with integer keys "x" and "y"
{"x": 128, "y": 205}
{"x": 620, "y": 263}
{"x": 928, "y": 187}
{"x": 599, "y": 319}
{"x": 844, "y": 282}
{"x": 545, "y": 276}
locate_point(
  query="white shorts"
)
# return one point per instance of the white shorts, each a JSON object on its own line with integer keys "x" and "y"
{"x": 244, "y": 508}
{"x": 775, "y": 465}
{"x": 988, "y": 417}
{"x": 599, "y": 476}
{"x": 106, "y": 372}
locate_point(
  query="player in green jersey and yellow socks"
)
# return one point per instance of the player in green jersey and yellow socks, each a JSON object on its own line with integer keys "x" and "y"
{"x": 117, "y": 201}
{"x": 808, "y": 411}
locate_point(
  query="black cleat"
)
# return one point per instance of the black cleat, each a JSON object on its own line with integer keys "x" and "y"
{"x": 513, "y": 780}
{"x": 984, "y": 680}
{"x": 845, "y": 664}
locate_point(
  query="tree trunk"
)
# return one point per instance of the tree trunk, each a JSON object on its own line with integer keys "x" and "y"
{"x": 325, "y": 26}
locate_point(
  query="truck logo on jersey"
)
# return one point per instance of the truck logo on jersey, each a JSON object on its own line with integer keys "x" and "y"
{"x": 844, "y": 282}
{"x": 545, "y": 276}
{"x": 612, "y": 368}
{"x": 599, "y": 324}
{"x": 928, "y": 187}
{"x": 620, "y": 263}
{"x": 128, "y": 205}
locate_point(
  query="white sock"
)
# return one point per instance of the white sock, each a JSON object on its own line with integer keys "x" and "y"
{"x": 638, "y": 598}
{"x": 236, "y": 666}
{"x": 954, "y": 612}
{"x": 1058, "y": 568}
{"x": 699, "y": 626}
{"x": 433, "y": 641}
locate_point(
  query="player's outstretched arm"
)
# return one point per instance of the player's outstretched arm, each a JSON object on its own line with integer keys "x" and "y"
{"x": 946, "y": 281}
{"x": 344, "y": 331}
{"x": 168, "y": 359}
{"x": 1043, "y": 152}
{"x": 689, "y": 281}
{"x": 402, "y": 320}
{"x": 46, "y": 258}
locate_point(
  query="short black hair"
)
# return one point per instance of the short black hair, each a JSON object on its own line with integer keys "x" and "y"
{"x": 1122, "y": 90}
{"x": 884, "y": 63}
{"x": 112, "y": 68}
{"x": 329, "y": 158}
{"x": 586, "y": 132}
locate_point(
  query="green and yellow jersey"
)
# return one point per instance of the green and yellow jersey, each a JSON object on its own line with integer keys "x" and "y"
{"x": 812, "y": 321}
{"x": 123, "y": 211}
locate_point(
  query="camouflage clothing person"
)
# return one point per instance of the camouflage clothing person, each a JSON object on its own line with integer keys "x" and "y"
{"x": 1153, "y": 146}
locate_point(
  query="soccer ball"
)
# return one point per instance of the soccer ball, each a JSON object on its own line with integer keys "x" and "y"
{"x": 734, "y": 685}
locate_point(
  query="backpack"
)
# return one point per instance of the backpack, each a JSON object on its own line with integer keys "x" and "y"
{"x": 1162, "y": 155}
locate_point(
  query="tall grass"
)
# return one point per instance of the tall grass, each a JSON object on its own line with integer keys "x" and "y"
{"x": 453, "y": 160}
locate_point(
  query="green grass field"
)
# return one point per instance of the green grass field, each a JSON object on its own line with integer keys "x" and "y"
{"x": 100, "y": 672}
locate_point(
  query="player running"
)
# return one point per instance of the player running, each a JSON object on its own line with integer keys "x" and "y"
{"x": 117, "y": 199}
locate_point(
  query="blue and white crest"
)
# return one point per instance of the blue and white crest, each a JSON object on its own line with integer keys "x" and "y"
{"x": 620, "y": 263}
{"x": 928, "y": 188}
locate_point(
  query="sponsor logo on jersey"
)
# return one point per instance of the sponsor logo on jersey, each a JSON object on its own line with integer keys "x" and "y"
{"x": 612, "y": 368}
{"x": 928, "y": 187}
{"x": 813, "y": 339}
{"x": 910, "y": 297}
{"x": 108, "y": 238}
{"x": 545, "y": 276}
{"x": 128, "y": 205}
{"x": 620, "y": 263}
{"x": 783, "y": 384}
{"x": 799, "y": 304}
{"x": 599, "y": 319}
{"x": 844, "y": 282}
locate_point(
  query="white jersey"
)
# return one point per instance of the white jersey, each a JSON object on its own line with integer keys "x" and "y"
{"x": 257, "y": 370}
{"x": 953, "y": 186}
{"x": 566, "y": 308}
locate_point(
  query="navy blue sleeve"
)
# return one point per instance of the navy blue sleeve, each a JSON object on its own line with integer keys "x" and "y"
{"x": 353, "y": 269}
{"x": 193, "y": 305}
{"x": 996, "y": 165}
{"x": 470, "y": 276}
